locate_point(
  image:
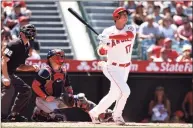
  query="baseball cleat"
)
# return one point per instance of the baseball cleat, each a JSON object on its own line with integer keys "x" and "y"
{"x": 94, "y": 118}
{"x": 119, "y": 120}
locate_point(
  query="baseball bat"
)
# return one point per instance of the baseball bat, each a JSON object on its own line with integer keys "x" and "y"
{"x": 81, "y": 20}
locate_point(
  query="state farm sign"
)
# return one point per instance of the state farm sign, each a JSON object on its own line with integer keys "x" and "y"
{"x": 93, "y": 66}
{"x": 176, "y": 67}
{"x": 169, "y": 67}
{"x": 136, "y": 66}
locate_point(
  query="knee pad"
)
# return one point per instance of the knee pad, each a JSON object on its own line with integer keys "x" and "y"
{"x": 40, "y": 116}
{"x": 36, "y": 110}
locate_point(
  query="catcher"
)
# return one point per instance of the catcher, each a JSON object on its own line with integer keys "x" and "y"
{"x": 55, "y": 93}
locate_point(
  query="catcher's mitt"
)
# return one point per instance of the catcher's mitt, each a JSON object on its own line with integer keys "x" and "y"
{"x": 67, "y": 99}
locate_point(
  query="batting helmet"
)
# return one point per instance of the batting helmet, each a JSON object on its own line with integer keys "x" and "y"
{"x": 117, "y": 11}
{"x": 29, "y": 30}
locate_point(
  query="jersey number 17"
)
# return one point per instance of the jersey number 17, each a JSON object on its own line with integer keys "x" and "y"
{"x": 128, "y": 48}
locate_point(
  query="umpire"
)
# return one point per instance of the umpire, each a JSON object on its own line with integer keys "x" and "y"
{"x": 13, "y": 59}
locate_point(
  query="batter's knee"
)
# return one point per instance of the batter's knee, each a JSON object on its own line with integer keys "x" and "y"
{"x": 126, "y": 91}
{"x": 114, "y": 96}
{"x": 114, "y": 92}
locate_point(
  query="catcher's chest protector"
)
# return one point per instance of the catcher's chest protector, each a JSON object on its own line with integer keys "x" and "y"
{"x": 56, "y": 83}
{"x": 57, "y": 75}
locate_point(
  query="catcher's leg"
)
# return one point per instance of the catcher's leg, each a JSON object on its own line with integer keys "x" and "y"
{"x": 45, "y": 111}
{"x": 39, "y": 115}
{"x": 86, "y": 105}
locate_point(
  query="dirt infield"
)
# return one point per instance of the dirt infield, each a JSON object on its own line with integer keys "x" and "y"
{"x": 90, "y": 125}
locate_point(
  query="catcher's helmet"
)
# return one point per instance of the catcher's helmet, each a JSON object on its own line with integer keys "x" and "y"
{"x": 55, "y": 52}
{"x": 117, "y": 11}
{"x": 59, "y": 53}
{"x": 29, "y": 30}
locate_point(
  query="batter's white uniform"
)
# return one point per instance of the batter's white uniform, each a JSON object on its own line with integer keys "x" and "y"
{"x": 117, "y": 70}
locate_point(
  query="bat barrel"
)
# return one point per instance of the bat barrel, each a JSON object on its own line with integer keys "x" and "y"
{"x": 81, "y": 19}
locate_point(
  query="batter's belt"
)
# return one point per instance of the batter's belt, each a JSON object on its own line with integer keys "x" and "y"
{"x": 120, "y": 65}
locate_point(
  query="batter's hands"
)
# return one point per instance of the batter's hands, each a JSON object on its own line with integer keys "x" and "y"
{"x": 103, "y": 38}
{"x": 6, "y": 81}
{"x": 50, "y": 98}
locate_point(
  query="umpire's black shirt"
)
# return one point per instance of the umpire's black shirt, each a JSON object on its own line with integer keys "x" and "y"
{"x": 17, "y": 52}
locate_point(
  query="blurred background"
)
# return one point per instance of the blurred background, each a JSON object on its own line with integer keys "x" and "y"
{"x": 164, "y": 34}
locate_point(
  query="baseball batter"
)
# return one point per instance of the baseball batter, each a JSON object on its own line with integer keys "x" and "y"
{"x": 117, "y": 43}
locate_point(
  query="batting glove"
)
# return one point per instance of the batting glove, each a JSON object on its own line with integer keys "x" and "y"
{"x": 103, "y": 38}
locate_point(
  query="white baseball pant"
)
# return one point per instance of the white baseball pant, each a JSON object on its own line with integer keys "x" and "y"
{"x": 119, "y": 90}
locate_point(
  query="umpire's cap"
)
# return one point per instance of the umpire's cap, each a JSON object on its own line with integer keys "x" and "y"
{"x": 29, "y": 30}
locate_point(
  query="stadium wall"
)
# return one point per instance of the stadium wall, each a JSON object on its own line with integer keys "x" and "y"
{"x": 142, "y": 86}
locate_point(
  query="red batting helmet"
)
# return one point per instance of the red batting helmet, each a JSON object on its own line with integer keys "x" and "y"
{"x": 117, "y": 11}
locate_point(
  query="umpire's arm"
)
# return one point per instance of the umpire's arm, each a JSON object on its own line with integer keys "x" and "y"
{"x": 7, "y": 54}
{"x": 4, "y": 66}
{"x": 28, "y": 68}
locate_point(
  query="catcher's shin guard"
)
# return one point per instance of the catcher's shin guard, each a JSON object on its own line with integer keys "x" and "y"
{"x": 57, "y": 117}
{"x": 39, "y": 115}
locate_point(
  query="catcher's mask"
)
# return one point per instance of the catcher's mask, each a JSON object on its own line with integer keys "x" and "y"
{"x": 57, "y": 54}
{"x": 29, "y": 30}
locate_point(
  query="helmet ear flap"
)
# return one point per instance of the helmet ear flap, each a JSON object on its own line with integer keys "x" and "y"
{"x": 117, "y": 17}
